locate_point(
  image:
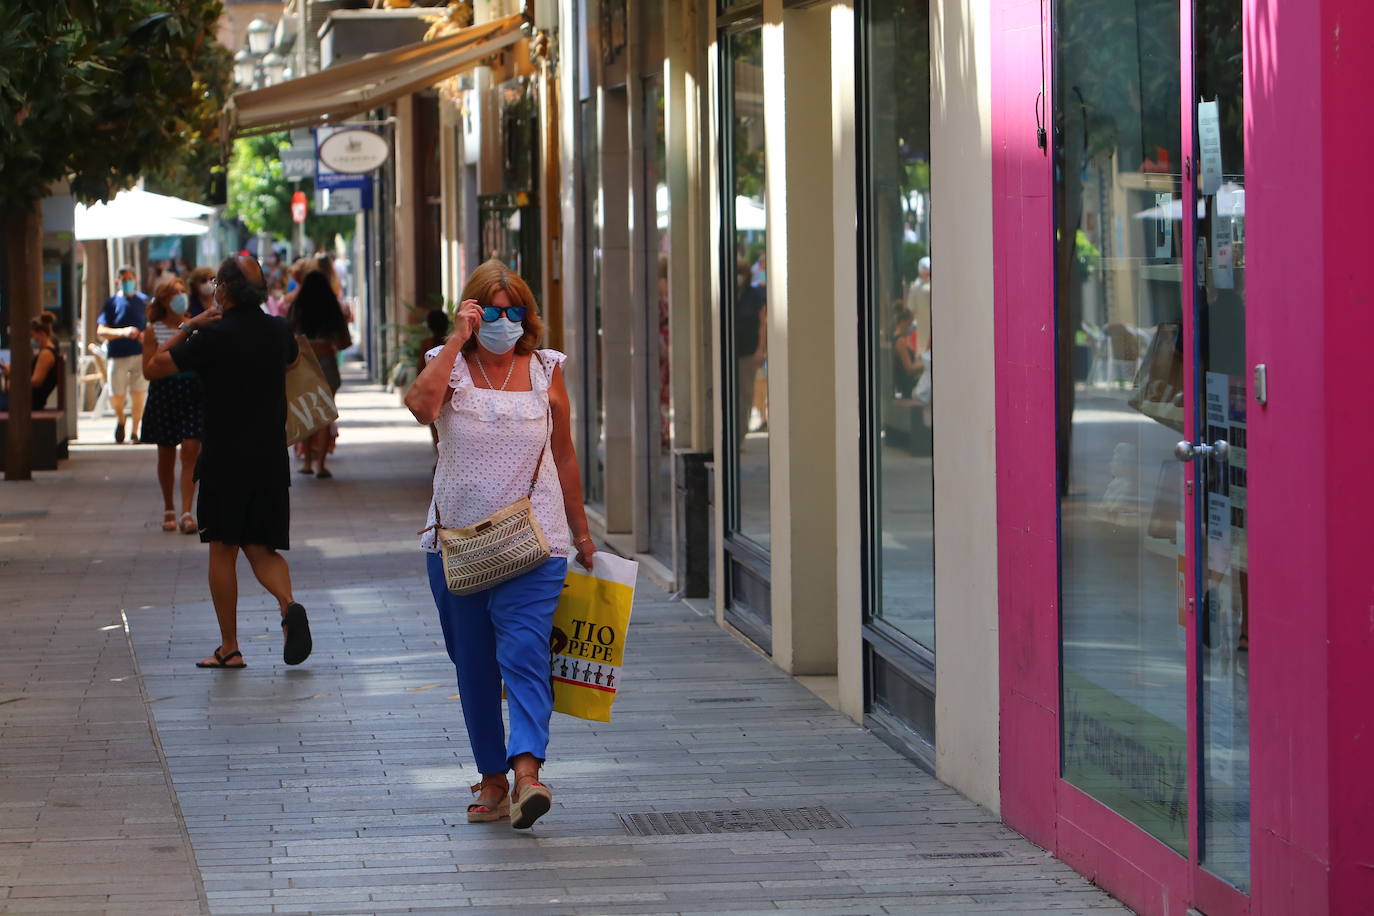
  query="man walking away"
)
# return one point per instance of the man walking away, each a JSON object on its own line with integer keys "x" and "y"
{"x": 121, "y": 325}
{"x": 242, "y": 354}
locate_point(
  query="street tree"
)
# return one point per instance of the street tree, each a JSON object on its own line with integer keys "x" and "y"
{"x": 95, "y": 93}
{"x": 260, "y": 196}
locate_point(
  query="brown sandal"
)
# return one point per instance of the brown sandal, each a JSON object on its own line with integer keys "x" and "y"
{"x": 479, "y": 813}
{"x": 530, "y": 805}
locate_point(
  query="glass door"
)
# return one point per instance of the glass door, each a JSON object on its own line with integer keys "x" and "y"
{"x": 1120, "y": 289}
{"x": 1150, "y": 280}
{"x": 1223, "y": 676}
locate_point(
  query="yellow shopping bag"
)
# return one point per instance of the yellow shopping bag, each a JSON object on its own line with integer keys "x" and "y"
{"x": 587, "y": 647}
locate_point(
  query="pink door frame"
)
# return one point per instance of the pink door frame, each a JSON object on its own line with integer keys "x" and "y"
{"x": 1310, "y": 306}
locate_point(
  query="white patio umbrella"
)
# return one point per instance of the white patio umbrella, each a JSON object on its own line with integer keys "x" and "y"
{"x": 136, "y": 212}
{"x": 101, "y": 222}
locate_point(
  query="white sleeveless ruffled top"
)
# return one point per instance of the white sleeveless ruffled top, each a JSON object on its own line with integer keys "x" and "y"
{"x": 489, "y": 444}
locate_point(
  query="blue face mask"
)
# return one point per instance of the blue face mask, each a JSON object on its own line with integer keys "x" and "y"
{"x": 126, "y": 287}
{"x": 500, "y": 335}
{"x": 179, "y": 303}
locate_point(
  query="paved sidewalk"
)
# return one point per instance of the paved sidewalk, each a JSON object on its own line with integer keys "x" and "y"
{"x": 340, "y": 786}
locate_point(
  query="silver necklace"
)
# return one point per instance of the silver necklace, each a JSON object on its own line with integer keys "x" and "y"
{"x": 483, "y": 369}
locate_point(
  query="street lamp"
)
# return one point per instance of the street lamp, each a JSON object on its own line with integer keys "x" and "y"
{"x": 260, "y": 33}
{"x": 273, "y": 66}
{"x": 244, "y": 66}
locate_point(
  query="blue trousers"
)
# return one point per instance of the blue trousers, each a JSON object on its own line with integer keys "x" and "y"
{"x": 501, "y": 635}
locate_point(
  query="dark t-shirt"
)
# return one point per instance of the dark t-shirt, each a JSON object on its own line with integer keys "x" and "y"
{"x": 751, "y": 301}
{"x": 124, "y": 312}
{"x": 242, "y": 359}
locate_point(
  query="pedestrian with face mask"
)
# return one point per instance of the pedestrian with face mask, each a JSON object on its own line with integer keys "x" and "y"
{"x": 173, "y": 418}
{"x": 121, "y": 325}
{"x": 502, "y": 410}
{"x": 200, "y": 288}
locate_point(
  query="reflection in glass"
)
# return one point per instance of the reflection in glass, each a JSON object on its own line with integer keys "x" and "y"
{"x": 898, "y": 284}
{"x": 747, "y": 326}
{"x": 660, "y": 426}
{"x": 595, "y": 418}
{"x": 1124, "y": 573}
{"x": 1223, "y": 641}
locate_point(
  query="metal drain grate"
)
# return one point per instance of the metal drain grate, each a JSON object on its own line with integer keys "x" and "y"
{"x": 740, "y": 820}
{"x": 723, "y": 700}
{"x": 963, "y": 855}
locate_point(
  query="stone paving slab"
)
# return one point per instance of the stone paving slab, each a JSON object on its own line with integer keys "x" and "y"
{"x": 340, "y": 786}
{"x": 88, "y": 820}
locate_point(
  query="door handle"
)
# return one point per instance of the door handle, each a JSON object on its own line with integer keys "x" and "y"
{"x": 1187, "y": 451}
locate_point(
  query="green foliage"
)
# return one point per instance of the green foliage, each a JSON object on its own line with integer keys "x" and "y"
{"x": 261, "y": 198}
{"x": 105, "y": 91}
{"x": 1087, "y": 254}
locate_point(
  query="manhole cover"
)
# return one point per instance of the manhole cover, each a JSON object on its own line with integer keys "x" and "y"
{"x": 739, "y": 820}
{"x": 963, "y": 855}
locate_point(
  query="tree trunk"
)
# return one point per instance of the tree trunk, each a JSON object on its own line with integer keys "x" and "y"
{"x": 23, "y": 238}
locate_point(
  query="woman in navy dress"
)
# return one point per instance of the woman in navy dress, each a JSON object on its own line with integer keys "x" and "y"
{"x": 172, "y": 419}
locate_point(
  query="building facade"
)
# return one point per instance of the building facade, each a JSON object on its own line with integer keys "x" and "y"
{"x": 1132, "y": 230}
{"x": 1041, "y": 589}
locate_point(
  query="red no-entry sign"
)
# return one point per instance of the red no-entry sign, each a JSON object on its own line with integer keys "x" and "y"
{"x": 298, "y": 207}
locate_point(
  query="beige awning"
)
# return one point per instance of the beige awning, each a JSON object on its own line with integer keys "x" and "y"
{"x": 362, "y": 85}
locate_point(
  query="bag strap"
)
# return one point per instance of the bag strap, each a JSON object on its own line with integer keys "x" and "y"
{"x": 548, "y": 430}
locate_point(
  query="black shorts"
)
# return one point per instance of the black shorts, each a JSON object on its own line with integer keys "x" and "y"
{"x": 239, "y": 512}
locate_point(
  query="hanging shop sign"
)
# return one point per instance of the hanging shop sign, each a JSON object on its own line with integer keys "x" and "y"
{"x": 299, "y": 207}
{"x": 326, "y": 177}
{"x": 353, "y": 151}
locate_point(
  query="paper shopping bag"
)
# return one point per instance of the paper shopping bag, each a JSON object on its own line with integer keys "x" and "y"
{"x": 309, "y": 403}
{"x": 587, "y": 646}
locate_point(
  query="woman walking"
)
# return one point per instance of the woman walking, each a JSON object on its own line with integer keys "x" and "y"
{"x": 316, "y": 313}
{"x": 172, "y": 418}
{"x": 502, "y": 412}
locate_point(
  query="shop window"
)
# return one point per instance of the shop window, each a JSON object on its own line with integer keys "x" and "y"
{"x": 659, "y": 448}
{"x": 744, "y": 332}
{"x": 594, "y": 412}
{"x": 896, "y": 317}
{"x": 746, "y": 327}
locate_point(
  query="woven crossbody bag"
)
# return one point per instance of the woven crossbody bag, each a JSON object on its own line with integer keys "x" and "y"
{"x": 505, "y": 544}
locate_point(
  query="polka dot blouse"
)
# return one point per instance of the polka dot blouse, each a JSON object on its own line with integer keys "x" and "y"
{"x": 489, "y": 445}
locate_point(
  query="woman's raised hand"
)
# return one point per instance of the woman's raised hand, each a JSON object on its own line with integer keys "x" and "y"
{"x": 468, "y": 319}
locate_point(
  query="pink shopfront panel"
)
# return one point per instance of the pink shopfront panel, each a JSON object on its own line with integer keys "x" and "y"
{"x": 1310, "y": 322}
{"x": 1028, "y": 644}
{"x": 1309, "y": 69}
